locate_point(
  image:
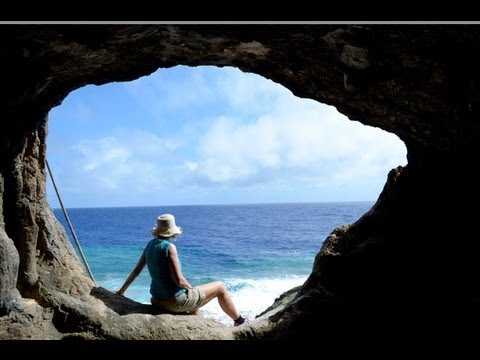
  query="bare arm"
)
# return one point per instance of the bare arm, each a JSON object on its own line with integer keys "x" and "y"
{"x": 133, "y": 275}
{"x": 175, "y": 267}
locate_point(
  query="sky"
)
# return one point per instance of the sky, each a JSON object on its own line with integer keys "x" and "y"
{"x": 210, "y": 135}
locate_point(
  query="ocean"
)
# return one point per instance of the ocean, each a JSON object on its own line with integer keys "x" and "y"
{"x": 259, "y": 251}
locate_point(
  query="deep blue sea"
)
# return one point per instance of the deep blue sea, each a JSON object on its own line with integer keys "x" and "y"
{"x": 259, "y": 251}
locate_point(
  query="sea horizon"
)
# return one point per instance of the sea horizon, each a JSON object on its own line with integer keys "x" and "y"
{"x": 218, "y": 204}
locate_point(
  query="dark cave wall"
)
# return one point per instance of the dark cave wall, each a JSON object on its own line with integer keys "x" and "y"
{"x": 420, "y": 82}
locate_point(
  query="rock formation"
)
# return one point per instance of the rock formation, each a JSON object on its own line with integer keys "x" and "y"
{"x": 412, "y": 261}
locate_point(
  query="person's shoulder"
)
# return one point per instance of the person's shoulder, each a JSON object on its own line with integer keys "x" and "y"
{"x": 172, "y": 250}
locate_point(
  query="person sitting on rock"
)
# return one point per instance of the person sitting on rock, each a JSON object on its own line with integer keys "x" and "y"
{"x": 170, "y": 290}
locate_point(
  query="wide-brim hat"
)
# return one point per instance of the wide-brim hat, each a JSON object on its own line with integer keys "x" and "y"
{"x": 166, "y": 227}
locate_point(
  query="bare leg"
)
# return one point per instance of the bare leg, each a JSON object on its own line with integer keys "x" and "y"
{"x": 216, "y": 289}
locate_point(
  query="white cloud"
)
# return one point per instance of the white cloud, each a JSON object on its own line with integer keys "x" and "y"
{"x": 191, "y": 166}
{"x": 247, "y": 92}
{"x": 127, "y": 161}
{"x": 301, "y": 139}
{"x": 161, "y": 91}
{"x": 186, "y": 89}
{"x": 260, "y": 136}
{"x": 106, "y": 152}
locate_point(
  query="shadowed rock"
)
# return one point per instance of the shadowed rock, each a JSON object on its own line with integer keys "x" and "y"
{"x": 413, "y": 256}
{"x": 123, "y": 305}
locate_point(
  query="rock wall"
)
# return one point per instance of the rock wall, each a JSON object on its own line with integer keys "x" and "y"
{"x": 411, "y": 260}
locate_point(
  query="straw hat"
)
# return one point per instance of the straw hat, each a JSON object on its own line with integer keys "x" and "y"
{"x": 166, "y": 227}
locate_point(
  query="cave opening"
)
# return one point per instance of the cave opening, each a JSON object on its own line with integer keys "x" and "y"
{"x": 409, "y": 262}
{"x": 236, "y": 157}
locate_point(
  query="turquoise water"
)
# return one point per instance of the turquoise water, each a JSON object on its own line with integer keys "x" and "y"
{"x": 259, "y": 250}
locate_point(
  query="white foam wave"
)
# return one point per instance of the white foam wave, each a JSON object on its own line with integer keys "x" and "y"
{"x": 251, "y": 297}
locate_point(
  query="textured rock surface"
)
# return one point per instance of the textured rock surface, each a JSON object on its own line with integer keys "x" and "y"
{"x": 412, "y": 260}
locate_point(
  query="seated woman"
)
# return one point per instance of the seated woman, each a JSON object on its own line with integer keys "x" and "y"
{"x": 170, "y": 290}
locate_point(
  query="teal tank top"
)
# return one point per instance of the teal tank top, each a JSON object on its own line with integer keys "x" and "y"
{"x": 163, "y": 284}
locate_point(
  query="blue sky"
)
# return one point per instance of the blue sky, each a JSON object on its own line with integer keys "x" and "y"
{"x": 209, "y": 135}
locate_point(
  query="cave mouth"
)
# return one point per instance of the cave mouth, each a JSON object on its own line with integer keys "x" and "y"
{"x": 409, "y": 262}
{"x": 226, "y": 140}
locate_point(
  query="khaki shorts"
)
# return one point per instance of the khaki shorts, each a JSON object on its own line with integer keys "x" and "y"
{"x": 190, "y": 300}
